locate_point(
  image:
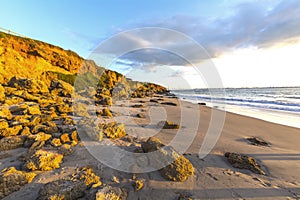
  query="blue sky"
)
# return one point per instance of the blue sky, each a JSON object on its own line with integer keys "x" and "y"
{"x": 235, "y": 35}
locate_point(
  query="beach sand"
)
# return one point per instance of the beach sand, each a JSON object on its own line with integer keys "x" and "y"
{"x": 214, "y": 177}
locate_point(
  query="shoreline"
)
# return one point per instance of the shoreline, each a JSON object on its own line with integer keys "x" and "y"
{"x": 272, "y": 116}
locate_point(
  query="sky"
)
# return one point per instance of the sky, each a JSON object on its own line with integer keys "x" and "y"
{"x": 190, "y": 44}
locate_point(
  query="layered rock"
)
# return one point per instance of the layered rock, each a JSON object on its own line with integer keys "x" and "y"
{"x": 12, "y": 180}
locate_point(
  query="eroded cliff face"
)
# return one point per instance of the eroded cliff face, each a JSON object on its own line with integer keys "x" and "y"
{"x": 28, "y": 58}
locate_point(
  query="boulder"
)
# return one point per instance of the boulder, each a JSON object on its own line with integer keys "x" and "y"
{"x": 12, "y": 180}
{"x": 5, "y": 113}
{"x": 179, "y": 168}
{"x": 3, "y": 124}
{"x": 61, "y": 88}
{"x": 244, "y": 162}
{"x": 13, "y": 142}
{"x": 62, "y": 190}
{"x": 32, "y": 86}
{"x": 113, "y": 130}
{"x": 11, "y": 131}
{"x": 44, "y": 160}
{"x": 105, "y": 100}
{"x": 72, "y": 187}
{"x": 109, "y": 193}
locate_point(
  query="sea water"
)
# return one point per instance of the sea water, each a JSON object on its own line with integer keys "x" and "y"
{"x": 276, "y": 104}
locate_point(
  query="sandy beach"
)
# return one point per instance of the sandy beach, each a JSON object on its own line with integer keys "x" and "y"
{"x": 214, "y": 176}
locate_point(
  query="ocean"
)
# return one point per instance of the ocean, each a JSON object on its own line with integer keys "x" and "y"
{"x": 274, "y": 104}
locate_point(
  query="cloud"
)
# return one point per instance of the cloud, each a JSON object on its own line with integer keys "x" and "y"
{"x": 252, "y": 24}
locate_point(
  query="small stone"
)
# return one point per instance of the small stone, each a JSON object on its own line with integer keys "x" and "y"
{"x": 168, "y": 125}
{"x": 109, "y": 193}
{"x": 138, "y": 184}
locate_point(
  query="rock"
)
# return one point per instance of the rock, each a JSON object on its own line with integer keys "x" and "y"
{"x": 62, "y": 190}
{"x": 74, "y": 137}
{"x": 168, "y": 125}
{"x": 105, "y": 112}
{"x": 138, "y": 106}
{"x": 30, "y": 85}
{"x": 65, "y": 149}
{"x": 244, "y": 162}
{"x": 3, "y": 124}
{"x": 56, "y": 142}
{"x": 11, "y": 131}
{"x": 65, "y": 138}
{"x": 34, "y": 110}
{"x": 154, "y": 100}
{"x": 202, "y": 104}
{"x": 2, "y": 93}
{"x": 88, "y": 176}
{"x": 40, "y": 136}
{"x": 110, "y": 193}
{"x": 12, "y": 142}
{"x": 169, "y": 103}
{"x": 12, "y": 180}
{"x": 257, "y": 141}
{"x": 44, "y": 160}
{"x": 105, "y": 100}
{"x": 64, "y": 108}
{"x": 81, "y": 109}
{"x": 5, "y": 113}
{"x": 36, "y": 146}
{"x": 19, "y": 109}
{"x": 114, "y": 130}
{"x": 140, "y": 115}
{"x": 25, "y": 131}
{"x": 179, "y": 168}
{"x": 152, "y": 144}
{"x": 61, "y": 88}
{"x": 138, "y": 184}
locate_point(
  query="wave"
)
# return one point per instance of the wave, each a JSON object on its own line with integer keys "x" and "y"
{"x": 254, "y": 98}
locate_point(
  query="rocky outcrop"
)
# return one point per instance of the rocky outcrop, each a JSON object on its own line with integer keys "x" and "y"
{"x": 244, "y": 162}
{"x": 62, "y": 190}
{"x": 113, "y": 130}
{"x": 33, "y": 86}
{"x": 12, "y": 180}
{"x": 44, "y": 160}
{"x": 72, "y": 187}
{"x": 179, "y": 168}
{"x": 13, "y": 142}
